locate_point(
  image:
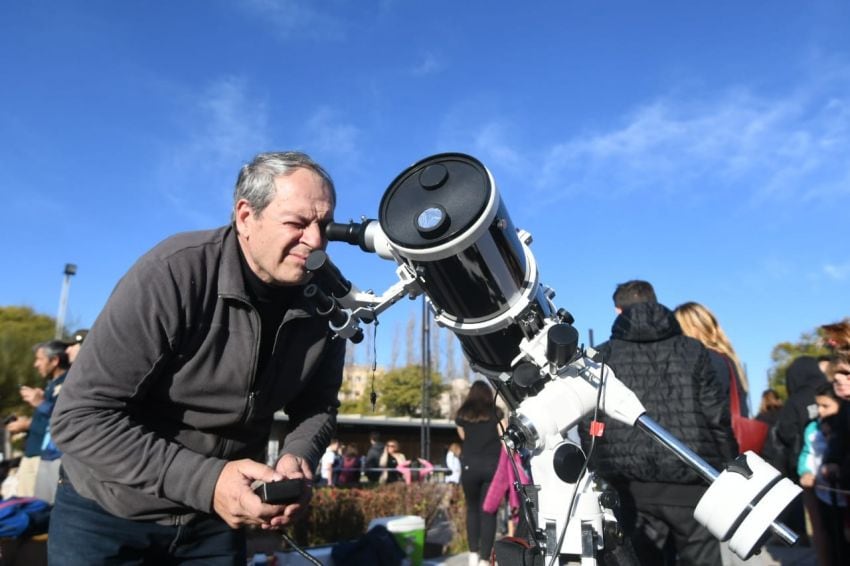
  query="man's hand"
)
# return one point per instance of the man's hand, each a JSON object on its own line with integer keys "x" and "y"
{"x": 236, "y": 503}
{"x": 293, "y": 467}
{"x": 32, "y": 395}
{"x": 807, "y": 480}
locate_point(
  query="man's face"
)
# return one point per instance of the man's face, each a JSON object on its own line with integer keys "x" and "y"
{"x": 841, "y": 379}
{"x": 44, "y": 365}
{"x": 276, "y": 242}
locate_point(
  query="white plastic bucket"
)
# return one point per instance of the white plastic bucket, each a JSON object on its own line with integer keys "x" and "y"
{"x": 409, "y": 531}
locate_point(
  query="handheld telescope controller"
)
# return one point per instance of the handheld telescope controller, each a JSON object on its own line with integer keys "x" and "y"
{"x": 445, "y": 225}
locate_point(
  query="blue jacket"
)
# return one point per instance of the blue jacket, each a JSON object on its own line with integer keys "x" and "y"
{"x": 41, "y": 418}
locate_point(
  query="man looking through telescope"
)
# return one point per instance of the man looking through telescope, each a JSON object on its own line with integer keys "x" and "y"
{"x": 166, "y": 413}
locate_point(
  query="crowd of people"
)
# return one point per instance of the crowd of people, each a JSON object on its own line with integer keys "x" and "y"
{"x": 150, "y": 442}
{"x": 343, "y": 466}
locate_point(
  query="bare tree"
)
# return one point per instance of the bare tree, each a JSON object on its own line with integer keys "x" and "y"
{"x": 467, "y": 371}
{"x": 451, "y": 369}
{"x": 394, "y": 353}
{"x": 412, "y": 350}
{"x": 350, "y": 354}
{"x": 369, "y": 344}
{"x": 436, "y": 331}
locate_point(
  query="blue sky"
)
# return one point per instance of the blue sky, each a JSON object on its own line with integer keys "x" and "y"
{"x": 703, "y": 146}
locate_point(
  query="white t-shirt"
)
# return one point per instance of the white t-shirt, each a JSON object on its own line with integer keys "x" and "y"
{"x": 327, "y": 465}
{"x": 453, "y": 463}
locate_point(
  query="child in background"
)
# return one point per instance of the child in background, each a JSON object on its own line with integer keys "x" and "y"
{"x": 830, "y": 540}
{"x": 453, "y": 462}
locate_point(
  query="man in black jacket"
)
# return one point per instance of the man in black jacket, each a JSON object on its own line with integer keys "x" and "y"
{"x": 673, "y": 377}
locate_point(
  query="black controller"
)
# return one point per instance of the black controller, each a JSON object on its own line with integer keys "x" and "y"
{"x": 280, "y": 492}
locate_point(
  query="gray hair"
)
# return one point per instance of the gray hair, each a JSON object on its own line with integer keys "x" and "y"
{"x": 256, "y": 185}
{"x": 54, "y": 349}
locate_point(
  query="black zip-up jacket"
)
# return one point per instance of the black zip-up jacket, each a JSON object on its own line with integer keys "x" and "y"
{"x": 672, "y": 376}
{"x": 785, "y": 440}
{"x": 164, "y": 391}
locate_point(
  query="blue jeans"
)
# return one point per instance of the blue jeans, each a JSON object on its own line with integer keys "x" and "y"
{"x": 83, "y": 533}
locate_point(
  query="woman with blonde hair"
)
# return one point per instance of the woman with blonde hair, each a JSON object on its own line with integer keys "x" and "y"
{"x": 700, "y": 323}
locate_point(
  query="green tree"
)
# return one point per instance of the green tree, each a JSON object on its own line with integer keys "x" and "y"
{"x": 400, "y": 392}
{"x": 20, "y": 329}
{"x": 809, "y": 344}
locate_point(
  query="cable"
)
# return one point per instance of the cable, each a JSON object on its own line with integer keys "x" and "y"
{"x": 584, "y": 466}
{"x": 373, "y": 397}
{"x": 312, "y": 559}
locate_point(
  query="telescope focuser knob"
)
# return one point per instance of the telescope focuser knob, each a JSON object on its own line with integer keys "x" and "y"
{"x": 565, "y": 316}
{"x": 561, "y": 344}
{"x": 514, "y": 438}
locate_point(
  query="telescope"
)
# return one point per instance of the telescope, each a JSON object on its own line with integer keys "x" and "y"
{"x": 444, "y": 224}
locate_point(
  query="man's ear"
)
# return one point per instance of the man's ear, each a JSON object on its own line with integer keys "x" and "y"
{"x": 243, "y": 212}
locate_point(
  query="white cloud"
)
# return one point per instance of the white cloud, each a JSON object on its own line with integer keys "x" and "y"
{"x": 297, "y": 18}
{"x": 428, "y": 65}
{"x": 491, "y": 142}
{"x": 331, "y": 135}
{"x": 772, "y": 148}
{"x": 225, "y": 126}
{"x": 837, "y": 272}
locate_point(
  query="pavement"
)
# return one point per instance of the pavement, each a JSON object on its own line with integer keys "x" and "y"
{"x": 771, "y": 555}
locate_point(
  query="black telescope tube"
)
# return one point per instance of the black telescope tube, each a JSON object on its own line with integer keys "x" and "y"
{"x": 327, "y": 275}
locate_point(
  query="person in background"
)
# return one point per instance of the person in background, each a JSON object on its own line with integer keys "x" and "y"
{"x": 478, "y": 420}
{"x": 453, "y": 455}
{"x": 47, "y": 477}
{"x": 673, "y": 376}
{"x": 389, "y": 461}
{"x": 165, "y": 417}
{"x": 828, "y": 507}
{"x": 51, "y": 363}
{"x": 785, "y": 439}
{"x": 837, "y": 459}
{"x": 349, "y": 472}
{"x": 373, "y": 457}
{"x": 770, "y": 405}
{"x": 415, "y": 470}
{"x": 506, "y": 475}
{"x": 700, "y": 323}
{"x": 328, "y": 463}
{"x": 73, "y": 345}
{"x": 836, "y": 337}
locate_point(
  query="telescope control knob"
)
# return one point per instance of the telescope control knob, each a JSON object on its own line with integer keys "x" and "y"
{"x": 525, "y": 375}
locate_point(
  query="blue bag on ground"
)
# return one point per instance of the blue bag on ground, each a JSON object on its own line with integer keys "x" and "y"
{"x": 23, "y": 516}
{"x": 378, "y": 547}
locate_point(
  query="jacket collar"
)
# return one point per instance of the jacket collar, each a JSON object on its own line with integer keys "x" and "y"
{"x": 231, "y": 282}
{"x": 645, "y": 322}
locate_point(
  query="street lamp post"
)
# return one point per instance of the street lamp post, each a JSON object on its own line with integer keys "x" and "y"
{"x": 70, "y": 270}
{"x": 425, "y": 431}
